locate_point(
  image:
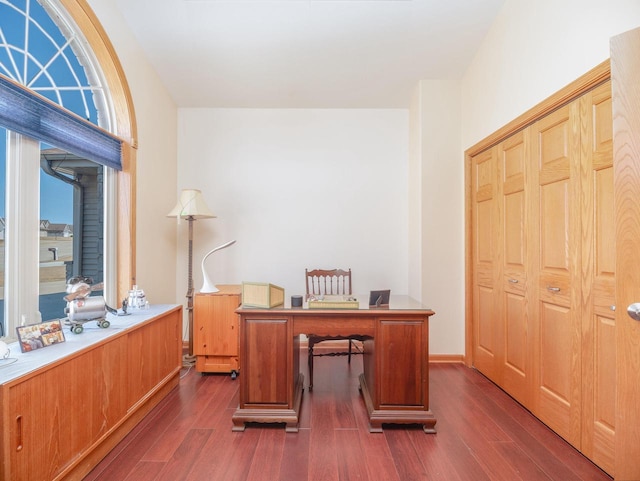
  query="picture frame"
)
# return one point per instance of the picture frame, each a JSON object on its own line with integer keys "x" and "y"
{"x": 379, "y": 298}
{"x": 38, "y": 336}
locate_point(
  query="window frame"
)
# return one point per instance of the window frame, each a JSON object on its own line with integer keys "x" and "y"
{"x": 21, "y": 278}
{"x": 124, "y": 125}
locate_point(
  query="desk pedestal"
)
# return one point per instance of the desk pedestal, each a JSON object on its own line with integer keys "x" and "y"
{"x": 394, "y": 384}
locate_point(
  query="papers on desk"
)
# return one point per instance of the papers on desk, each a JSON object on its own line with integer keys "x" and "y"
{"x": 333, "y": 302}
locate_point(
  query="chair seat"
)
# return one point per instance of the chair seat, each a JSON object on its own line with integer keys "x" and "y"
{"x": 313, "y": 340}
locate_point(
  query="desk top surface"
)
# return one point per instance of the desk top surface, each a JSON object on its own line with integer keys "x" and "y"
{"x": 396, "y": 303}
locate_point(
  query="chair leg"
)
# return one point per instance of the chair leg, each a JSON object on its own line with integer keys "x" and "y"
{"x": 310, "y": 363}
{"x": 349, "y": 357}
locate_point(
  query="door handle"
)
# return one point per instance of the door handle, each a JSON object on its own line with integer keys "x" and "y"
{"x": 19, "y": 432}
{"x": 634, "y": 311}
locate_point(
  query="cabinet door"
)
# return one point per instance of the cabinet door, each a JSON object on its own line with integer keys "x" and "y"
{"x": 486, "y": 264}
{"x": 265, "y": 350}
{"x": 557, "y": 335}
{"x": 154, "y": 352}
{"x": 58, "y": 415}
{"x": 403, "y": 369}
{"x": 598, "y": 261}
{"x": 216, "y": 325}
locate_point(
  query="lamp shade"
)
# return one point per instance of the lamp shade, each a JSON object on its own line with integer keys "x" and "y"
{"x": 191, "y": 204}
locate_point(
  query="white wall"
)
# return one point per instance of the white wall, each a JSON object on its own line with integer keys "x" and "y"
{"x": 441, "y": 231}
{"x": 414, "y": 189}
{"x": 297, "y": 189}
{"x": 532, "y": 50}
{"x": 156, "y": 116}
{"x": 254, "y": 164}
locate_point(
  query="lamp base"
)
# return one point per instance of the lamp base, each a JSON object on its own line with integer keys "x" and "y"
{"x": 208, "y": 287}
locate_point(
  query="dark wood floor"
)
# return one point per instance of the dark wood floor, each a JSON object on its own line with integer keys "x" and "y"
{"x": 482, "y": 435}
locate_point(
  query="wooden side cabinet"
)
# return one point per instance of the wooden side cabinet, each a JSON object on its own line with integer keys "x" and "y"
{"x": 215, "y": 328}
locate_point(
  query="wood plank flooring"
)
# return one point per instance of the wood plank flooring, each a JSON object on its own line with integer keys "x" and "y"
{"x": 482, "y": 435}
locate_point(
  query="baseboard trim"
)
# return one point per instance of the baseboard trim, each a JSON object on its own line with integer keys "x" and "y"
{"x": 447, "y": 358}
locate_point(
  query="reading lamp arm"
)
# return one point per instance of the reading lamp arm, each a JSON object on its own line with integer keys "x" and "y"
{"x": 217, "y": 249}
{"x": 207, "y": 285}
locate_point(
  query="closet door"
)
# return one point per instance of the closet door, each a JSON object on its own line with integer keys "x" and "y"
{"x": 557, "y": 335}
{"x": 598, "y": 265}
{"x": 515, "y": 211}
{"x": 487, "y": 333}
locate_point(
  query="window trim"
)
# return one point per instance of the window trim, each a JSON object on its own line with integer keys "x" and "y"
{"x": 22, "y": 214}
{"x": 125, "y": 127}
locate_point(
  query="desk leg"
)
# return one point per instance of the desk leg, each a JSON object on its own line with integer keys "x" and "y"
{"x": 378, "y": 417}
{"x": 290, "y": 417}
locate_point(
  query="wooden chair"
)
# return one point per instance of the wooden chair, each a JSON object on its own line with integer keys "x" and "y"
{"x": 321, "y": 282}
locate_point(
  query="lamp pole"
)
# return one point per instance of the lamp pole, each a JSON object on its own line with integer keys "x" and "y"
{"x": 190, "y": 206}
{"x": 190, "y": 286}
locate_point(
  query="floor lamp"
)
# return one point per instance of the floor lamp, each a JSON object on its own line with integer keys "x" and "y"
{"x": 191, "y": 206}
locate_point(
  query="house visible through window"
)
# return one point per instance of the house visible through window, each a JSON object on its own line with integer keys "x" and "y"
{"x": 71, "y": 225}
{"x": 47, "y": 193}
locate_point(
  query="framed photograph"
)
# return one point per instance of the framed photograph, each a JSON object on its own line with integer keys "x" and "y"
{"x": 37, "y": 336}
{"x": 379, "y": 298}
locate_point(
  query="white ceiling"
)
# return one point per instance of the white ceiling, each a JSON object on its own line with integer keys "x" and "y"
{"x": 306, "y": 53}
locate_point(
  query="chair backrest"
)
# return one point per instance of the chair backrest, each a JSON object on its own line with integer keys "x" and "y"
{"x": 328, "y": 281}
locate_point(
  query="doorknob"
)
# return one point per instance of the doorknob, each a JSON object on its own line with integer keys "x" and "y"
{"x": 634, "y": 311}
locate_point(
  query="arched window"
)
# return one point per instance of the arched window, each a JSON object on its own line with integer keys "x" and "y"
{"x": 57, "y": 212}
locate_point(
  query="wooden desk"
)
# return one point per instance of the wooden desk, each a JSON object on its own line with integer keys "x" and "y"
{"x": 395, "y": 381}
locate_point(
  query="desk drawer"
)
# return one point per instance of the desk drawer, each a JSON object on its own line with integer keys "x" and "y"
{"x": 332, "y": 326}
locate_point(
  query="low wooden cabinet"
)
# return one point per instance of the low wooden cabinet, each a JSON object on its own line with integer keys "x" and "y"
{"x": 65, "y": 407}
{"x": 215, "y": 327}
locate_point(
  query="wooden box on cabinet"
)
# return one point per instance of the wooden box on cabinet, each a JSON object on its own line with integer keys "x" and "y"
{"x": 215, "y": 327}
